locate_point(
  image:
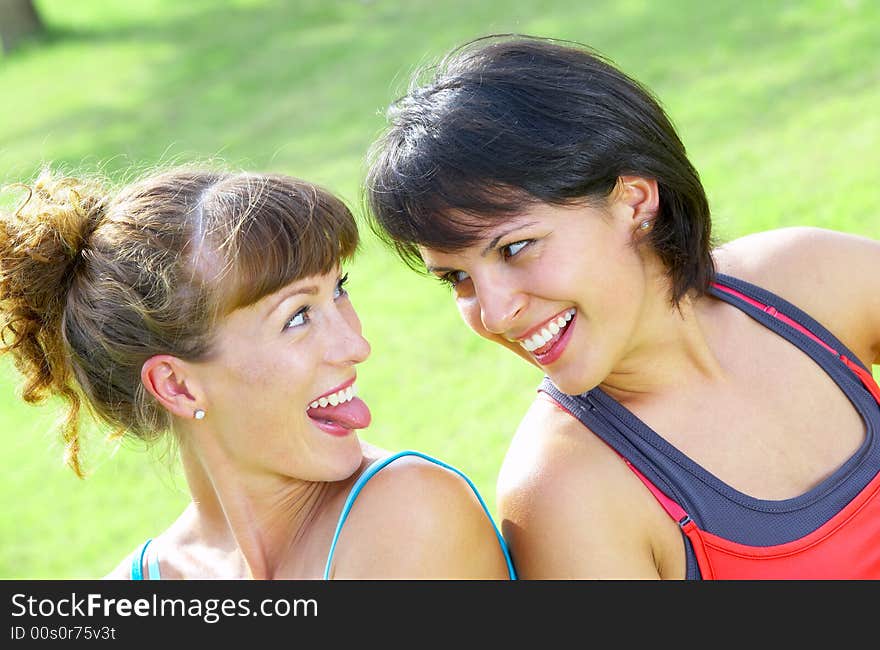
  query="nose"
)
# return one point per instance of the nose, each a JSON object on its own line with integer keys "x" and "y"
{"x": 500, "y": 305}
{"x": 347, "y": 345}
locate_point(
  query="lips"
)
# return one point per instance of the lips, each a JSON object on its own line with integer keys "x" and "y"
{"x": 548, "y": 344}
{"x": 339, "y": 411}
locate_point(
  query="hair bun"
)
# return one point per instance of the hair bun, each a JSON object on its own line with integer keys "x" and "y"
{"x": 41, "y": 243}
{"x": 43, "y": 239}
{"x": 58, "y": 216}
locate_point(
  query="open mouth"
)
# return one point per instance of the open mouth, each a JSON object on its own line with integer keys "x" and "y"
{"x": 548, "y": 344}
{"x": 541, "y": 342}
{"x": 340, "y": 411}
{"x": 339, "y": 397}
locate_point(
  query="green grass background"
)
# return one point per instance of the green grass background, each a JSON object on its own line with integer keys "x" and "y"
{"x": 777, "y": 102}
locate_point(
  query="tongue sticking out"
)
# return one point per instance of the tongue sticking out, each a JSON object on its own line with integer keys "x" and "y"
{"x": 353, "y": 414}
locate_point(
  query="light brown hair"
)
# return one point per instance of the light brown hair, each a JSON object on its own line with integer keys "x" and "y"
{"x": 94, "y": 283}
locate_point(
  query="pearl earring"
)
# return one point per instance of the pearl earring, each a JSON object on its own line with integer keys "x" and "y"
{"x": 199, "y": 414}
{"x": 645, "y": 224}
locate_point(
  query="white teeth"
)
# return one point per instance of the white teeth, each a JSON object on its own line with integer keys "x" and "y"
{"x": 340, "y": 397}
{"x": 547, "y": 333}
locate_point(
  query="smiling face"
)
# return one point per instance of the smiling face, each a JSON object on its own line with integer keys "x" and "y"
{"x": 279, "y": 384}
{"x": 564, "y": 287}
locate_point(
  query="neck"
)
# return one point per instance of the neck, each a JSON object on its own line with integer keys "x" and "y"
{"x": 260, "y": 515}
{"x": 671, "y": 349}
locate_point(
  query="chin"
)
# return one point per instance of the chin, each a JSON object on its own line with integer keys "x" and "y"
{"x": 346, "y": 460}
{"x": 573, "y": 385}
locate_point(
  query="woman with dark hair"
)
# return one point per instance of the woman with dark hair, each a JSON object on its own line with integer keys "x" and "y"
{"x": 211, "y": 306}
{"x": 706, "y": 411}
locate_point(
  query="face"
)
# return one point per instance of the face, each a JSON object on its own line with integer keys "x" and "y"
{"x": 281, "y": 381}
{"x": 563, "y": 287}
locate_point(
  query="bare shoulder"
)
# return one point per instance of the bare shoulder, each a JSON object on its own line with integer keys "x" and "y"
{"x": 571, "y": 509}
{"x": 832, "y": 276}
{"x": 784, "y": 254}
{"x": 415, "y": 519}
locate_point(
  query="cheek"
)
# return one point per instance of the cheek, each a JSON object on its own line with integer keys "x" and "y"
{"x": 469, "y": 308}
{"x": 265, "y": 373}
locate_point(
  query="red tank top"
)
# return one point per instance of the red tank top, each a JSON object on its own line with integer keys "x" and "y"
{"x": 847, "y": 546}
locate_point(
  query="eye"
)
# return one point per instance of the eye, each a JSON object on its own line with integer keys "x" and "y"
{"x": 299, "y": 319}
{"x": 453, "y": 278}
{"x": 510, "y": 250}
{"x": 340, "y": 291}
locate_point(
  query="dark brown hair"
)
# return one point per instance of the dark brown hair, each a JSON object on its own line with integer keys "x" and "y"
{"x": 507, "y": 121}
{"x": 92, "y": 284}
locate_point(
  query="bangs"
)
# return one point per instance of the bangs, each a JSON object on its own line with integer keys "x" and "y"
{"x": 419, "y": 200}
{"x": 284, "y": 229}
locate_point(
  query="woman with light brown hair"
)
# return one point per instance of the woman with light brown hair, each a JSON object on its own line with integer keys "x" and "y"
{"x": 211, "y": 306}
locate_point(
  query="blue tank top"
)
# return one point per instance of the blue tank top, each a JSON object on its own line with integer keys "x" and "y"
{"x": 715, "y": 506}
{"x": 137, "y": 562}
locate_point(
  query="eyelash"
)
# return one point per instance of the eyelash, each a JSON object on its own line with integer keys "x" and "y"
{"x": 448, "y": 278}
{"x": 338, "y": 292}
{"x": 340, "y": 286}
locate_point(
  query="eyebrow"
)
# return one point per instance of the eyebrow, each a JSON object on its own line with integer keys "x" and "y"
{"x": 492, "y": 244}
{"x": 310, "y": 290}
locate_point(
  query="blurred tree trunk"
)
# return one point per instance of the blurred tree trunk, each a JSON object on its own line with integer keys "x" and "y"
{"x": 18, "y": 19}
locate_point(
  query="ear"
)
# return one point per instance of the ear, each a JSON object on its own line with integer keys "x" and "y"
{"x": 172, "y": 383}
{"x": 641, "y": 194}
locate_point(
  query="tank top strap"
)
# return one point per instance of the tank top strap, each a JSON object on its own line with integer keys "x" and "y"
{"x": 373, "y": 469}
{"x": 592, "y": 410}
{"x": 137, "y": 563}
{"x": 754, "y": 300}
{"x": 761, "y": 303}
